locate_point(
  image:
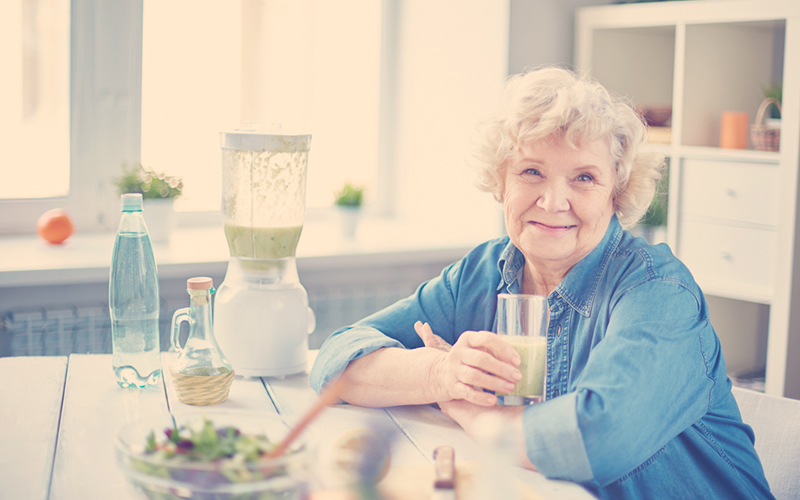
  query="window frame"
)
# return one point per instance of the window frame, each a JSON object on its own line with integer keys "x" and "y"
{"x": 105, "y": 117}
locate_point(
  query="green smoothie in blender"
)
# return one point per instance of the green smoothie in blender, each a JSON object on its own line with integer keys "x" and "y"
{"x": 262, "y": 242}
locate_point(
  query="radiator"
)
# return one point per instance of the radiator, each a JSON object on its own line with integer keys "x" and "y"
{"x": 86, "y": 328}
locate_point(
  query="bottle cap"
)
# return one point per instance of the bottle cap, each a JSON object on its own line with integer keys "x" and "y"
{"x": 131, "y": 202}
{"x": 200, "y": 283}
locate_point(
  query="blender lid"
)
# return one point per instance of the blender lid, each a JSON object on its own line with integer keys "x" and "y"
{"x": 256, "y": 139}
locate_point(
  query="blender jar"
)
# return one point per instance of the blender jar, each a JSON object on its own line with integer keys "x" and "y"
{"x": 263, "y": 192}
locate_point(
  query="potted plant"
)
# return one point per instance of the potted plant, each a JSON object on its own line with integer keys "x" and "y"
{"x": 653, "y": 226}
{"x": 159, "y": 192}
{"x": 348, "y": 203}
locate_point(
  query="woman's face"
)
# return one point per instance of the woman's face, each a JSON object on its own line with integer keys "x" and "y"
{"x": 558, "y": 201}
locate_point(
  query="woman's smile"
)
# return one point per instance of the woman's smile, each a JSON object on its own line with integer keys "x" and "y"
{"x": 546, "y": 226}
{"x": 552, "y": 230}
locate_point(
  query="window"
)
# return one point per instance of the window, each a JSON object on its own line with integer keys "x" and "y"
{"x": 34, "y": 107}
{"x": 389, "y": 90}
{"x": 311, "y": 66}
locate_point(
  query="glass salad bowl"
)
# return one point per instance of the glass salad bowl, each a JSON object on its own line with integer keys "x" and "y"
{"x": 216, "y": 455}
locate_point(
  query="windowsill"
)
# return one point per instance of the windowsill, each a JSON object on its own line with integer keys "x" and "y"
{"x": 85, "y": 258}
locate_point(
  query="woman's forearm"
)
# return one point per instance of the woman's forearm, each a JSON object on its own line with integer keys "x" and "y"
{"x": 392, "y": 376}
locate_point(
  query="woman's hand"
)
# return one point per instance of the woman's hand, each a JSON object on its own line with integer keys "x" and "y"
{"x": 472, "y": 418}
{"x": 429, "y": 338}
{"x": 477, "y": 361}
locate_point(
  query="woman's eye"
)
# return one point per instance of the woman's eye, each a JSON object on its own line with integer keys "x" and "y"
{"x": 531, "y": 171}
{"x": 585, "y": 178}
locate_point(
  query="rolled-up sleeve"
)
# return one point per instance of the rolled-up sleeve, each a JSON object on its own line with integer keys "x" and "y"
{"x": 553, "y": 439}
{"x": 342, "y": 348}
{"x": 390, "y": 327}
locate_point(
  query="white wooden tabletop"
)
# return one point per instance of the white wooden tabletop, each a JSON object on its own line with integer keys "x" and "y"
{"x": 59, "y": 416}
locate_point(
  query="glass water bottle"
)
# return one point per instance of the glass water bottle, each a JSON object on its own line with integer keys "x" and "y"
{"x": 133, "y": 300}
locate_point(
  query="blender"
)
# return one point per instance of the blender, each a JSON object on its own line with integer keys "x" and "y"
{"x": 261, "y": 314}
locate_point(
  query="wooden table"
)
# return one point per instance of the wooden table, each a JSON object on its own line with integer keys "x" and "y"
{"x": 58, "y": 417}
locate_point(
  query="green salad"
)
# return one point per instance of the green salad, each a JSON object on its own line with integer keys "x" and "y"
{"x": 226, "y": 446}
{"x": 214, "y": 462}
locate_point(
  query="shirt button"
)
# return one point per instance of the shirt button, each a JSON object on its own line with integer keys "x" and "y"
{"x": 558, "y": 332}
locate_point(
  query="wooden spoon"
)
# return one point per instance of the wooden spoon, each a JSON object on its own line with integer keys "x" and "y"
{"x": 328, "y": 396}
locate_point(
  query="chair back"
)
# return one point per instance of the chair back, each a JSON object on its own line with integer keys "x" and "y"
{"x": 776, "y": 424}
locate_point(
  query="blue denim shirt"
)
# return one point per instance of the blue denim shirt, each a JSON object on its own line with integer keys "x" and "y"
{"x": 638, "y": 402}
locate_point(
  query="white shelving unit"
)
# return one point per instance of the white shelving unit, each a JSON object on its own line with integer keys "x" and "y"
{"x": 732, "y": 216}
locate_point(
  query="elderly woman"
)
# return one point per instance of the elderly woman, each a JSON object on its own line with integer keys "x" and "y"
{"x": 638, "y": 403}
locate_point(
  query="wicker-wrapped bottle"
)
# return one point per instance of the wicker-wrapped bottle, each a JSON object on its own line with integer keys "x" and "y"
{"x": 201, "y": 373}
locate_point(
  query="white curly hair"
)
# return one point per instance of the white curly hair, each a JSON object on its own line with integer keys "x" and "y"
{"x": 547, "y": 103}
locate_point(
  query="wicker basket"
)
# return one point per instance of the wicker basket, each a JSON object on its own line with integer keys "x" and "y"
{"x": 202, "y": 390}
{"x": 765, "y": 138}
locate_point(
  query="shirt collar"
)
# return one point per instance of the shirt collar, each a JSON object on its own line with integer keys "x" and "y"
{"x": 579, "y": 286}
{"x": 510, "y": 265}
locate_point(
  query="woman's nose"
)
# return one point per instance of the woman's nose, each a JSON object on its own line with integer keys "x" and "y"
{"x": 553, "y": 197}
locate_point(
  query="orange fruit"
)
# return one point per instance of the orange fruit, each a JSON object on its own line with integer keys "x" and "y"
{"x": 55, "y": 226}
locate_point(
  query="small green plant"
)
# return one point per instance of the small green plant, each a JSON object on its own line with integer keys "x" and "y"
{"x": 656, "y": 215}
{"x": 152, "y": 185}
{"x": 349, "y": 196}
{"x": 774, "y": 90}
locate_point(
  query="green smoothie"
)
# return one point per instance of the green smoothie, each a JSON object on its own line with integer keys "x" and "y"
{"x": 262, "y": 242}
{"x": 533, "y": 353}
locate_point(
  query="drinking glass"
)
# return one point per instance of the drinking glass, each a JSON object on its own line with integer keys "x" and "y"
{"x": 522, "y": 322}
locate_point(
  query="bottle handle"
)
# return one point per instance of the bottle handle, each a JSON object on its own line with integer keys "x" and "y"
{"x": 179, "y": 317}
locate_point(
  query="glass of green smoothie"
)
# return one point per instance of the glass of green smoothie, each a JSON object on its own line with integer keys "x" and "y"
{"x": 522, "y": 322}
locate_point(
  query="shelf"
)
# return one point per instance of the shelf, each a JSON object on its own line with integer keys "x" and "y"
{"x": 746, "y": 155}
{"x": 732, "y": 291}
{"x": 718, "y": 154}
{"x": 732, "y": 212}
{"x": 85, "y": 257}
{"x": 726, "y": 66}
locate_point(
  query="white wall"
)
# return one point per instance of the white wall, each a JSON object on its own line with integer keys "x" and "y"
{"x": 541, "y": 32}
{"x": 451, "y": 70}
